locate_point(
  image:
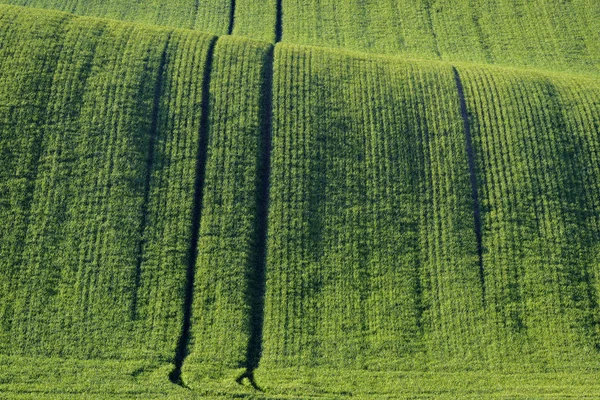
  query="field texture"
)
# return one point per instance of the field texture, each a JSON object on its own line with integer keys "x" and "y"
{"x": 541, "y": 33}
{"x": 229, "y": 252}
{"x": 254, "y": 18}
{"x": 369, "y": 175}
{"x": 317, "y": 199}
{"x": 536, "y": 138}
{"x": 547, "y": 34}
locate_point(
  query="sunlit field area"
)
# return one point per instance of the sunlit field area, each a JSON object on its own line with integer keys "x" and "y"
{"x": 278, "y": 199}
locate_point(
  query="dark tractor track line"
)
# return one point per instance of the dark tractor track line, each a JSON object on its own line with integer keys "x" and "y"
{"x": 249, "y": 375}
{"x": 473, "y": 177}
{"x": 257, "y": 288}
{"x": 279, "y": 21}
{"x": 183, "y": 343}
{"x": 231, "y": 18}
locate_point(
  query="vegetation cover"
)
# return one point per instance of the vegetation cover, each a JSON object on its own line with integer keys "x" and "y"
{"x": 536, "y": 163}
{"x": 548, "y": 34}
{"x": 229, "y": 248}
{"x": 553, "y": 34}
{"x": 186, "y": 215}
{"x": 369, "y": 173}
{"x": 254, "y": 18}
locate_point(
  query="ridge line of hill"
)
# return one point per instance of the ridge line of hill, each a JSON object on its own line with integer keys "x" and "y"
{"x": 350, "y": 52}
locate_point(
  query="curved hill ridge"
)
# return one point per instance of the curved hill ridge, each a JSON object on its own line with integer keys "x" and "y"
{"x": 547, "y": 34}
{"x": 324, "y": 222}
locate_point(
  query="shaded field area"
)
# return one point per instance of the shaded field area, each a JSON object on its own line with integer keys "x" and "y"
{"x": 185, "y": 215}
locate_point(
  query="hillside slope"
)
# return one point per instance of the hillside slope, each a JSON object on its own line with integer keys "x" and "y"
{"x": 254, "y": 18}
{"x": 548, "y": 34}
{"x": 180, "y": 209}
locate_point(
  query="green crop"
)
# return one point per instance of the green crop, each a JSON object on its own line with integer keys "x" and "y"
{"x": 330, "y": 199}
{"x": 538, "y": 170}
{"x": 254, "y": 18}
{"x": 228, "y": 255}
{"x": 373, "y": 264}
{"x": 546, "y": 34}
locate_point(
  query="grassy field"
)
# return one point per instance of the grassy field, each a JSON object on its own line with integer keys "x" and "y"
{"x": 253, "y": 18}
{"x": 292, "y": 200}
{"x": 547, "y": 34}
{"x": 96, "y": 224}
{"x": 369, "y": 175}
{"x": 536, "y": 141}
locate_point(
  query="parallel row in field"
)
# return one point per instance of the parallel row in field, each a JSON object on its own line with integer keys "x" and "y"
{"x": 256, "y": 19}
{"x": 87, "y": 195}
{"x": 548, "y": 34}
{"x": 372, "y": 255}
{"x": 100, "y": 170}
{"x": 537, "y": 141}
{"x": 249, "y": 18}
{"x": 123, "y": 180}
{"x": 542, "y": 33}
{"x": 372, "y": 260}
{"x": 226, "y": 284}
{"x": 112, "y": 166}
{"x": 29, "y": 53}
{"x": 170, "y": 200}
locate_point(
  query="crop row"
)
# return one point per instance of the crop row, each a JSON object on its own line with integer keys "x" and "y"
{"x": 547, "y": 34}
{"x": 537, "y": 146}
{"x": 372, "y": 257}
{"x": 114, "y": 136}
{"x": 249, "y": 18}
{"x": 28, "y": 57}
{"x": 100, "y": 221}
{"x": 228, "y": 255}
{"x": 134, "y": 182}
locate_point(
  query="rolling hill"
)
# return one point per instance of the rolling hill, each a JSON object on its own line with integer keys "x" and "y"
{"x": 316, "y": 199}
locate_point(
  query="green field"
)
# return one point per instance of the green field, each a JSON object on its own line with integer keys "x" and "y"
{"x": 290, "y": 200}
{"x": 562, "y": 35}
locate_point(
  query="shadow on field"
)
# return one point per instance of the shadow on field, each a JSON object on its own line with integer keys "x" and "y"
{"x": 182, "y": 346}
